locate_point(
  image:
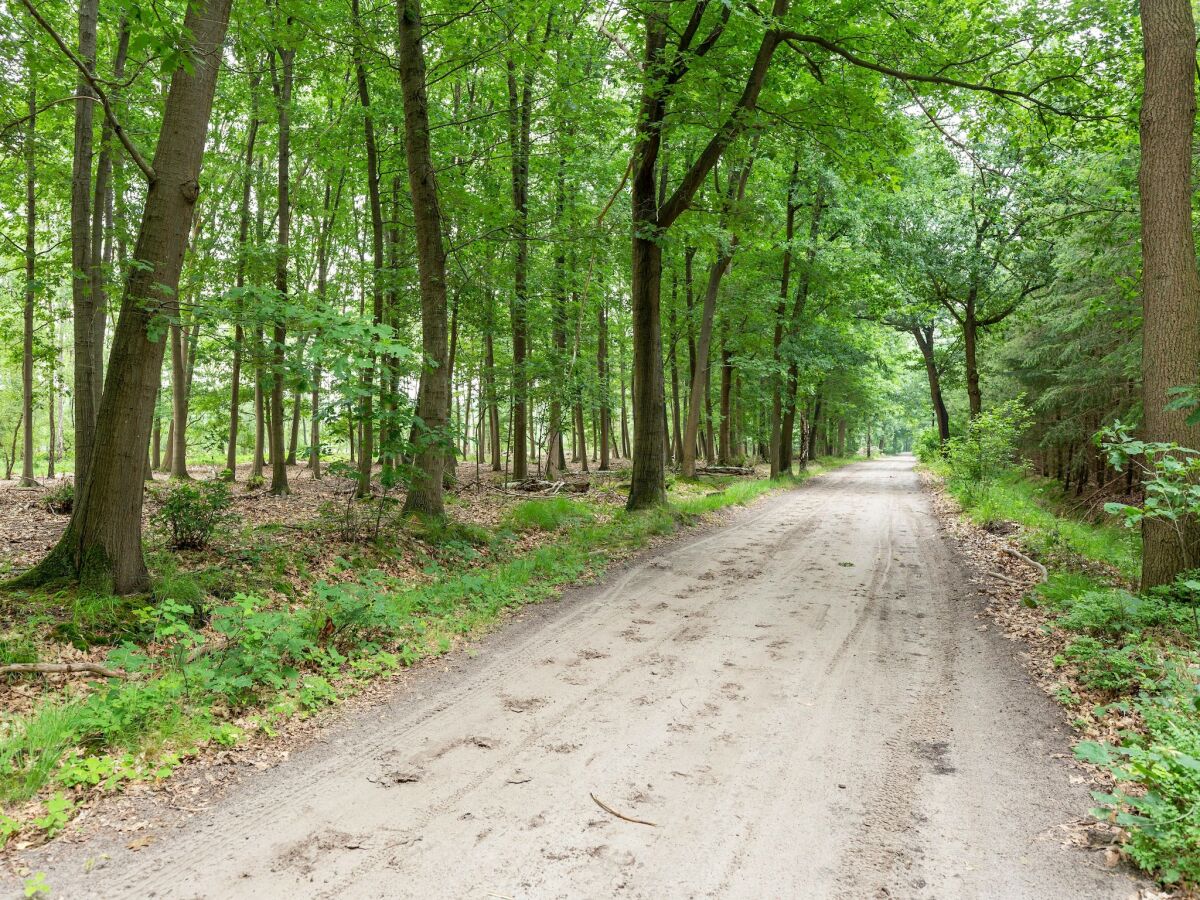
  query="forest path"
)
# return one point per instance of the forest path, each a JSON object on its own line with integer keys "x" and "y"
{"x": 804, "y": 701}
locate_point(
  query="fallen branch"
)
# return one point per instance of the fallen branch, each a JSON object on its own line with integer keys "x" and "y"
{"x": 63, "y": 669}
{"x": 612, "y": 812}
{"x": 538, "y": 486}
{"x": 1006, "y": 579}
{"x": 724, "y": 470}
{"x": 1017, "y": 554}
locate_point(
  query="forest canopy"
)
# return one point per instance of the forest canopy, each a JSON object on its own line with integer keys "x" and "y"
{"x": 273, "y": 239}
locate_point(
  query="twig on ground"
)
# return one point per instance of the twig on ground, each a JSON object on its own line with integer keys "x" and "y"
{"x": 612, "y": 812}
{"x": 1017, "y": 554}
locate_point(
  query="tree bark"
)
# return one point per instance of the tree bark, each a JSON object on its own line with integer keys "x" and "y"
{"x": 177, "y": 439}
{"x": 779, "y": 380}
{"x": 652, "y": 219}
{"x": 923, "y": 335}
{"x": 520, "y": 114}
{"x": 239, "y": 334}
{"x": 724, "y": 450}
{"x": 100, "y": 242}
{"x": 602, "y": 379}
{"x": 425, "y": 493}
{"x": 1170, "y": 281}
{"x": 366, "y": 455}
{"x": 27, "y": 478}
{"x": 282, "y": 80}
{"x": 82, "y": 302}
{"x": 102, "y": 546}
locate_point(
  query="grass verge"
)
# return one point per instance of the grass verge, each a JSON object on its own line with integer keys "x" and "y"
{"x": 1126, "y": 662}
{"x": 209, "y": 667}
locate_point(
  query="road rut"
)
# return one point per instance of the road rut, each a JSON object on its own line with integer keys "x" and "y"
{"x": 804, "y": 702}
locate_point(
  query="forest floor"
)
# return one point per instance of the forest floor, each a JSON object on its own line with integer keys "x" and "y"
{"x": 807, "y": 701}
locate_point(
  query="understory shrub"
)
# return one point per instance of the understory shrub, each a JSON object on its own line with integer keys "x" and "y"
{"x": 988, "y": 447}
{"x": 1163, "y": 817}
{"x": 60, "y": 499}
{"x": 190, "y": 512}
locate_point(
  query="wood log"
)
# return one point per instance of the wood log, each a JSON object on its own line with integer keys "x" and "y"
{"x": 63, "y": 669}
{"x": 724, "y": 470}
{"x": 539, "y": 486}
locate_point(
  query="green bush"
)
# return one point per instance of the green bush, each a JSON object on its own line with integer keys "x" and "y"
{"x": 60, "y": 500}
{"x": 1112, "y": 613}
{"x": 549, "y": 514}
{"x": 31, "y": 751}
{"x": 928, "y": 446}
{"x": 1163, "y": 818}
{"x": 1116, "y": 670}
{"x": 988, "y": 448}
{"x": 190, "y": 512}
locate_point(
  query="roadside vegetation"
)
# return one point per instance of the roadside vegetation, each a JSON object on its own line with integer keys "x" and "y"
{"x": 1126, "y": 660}
{"x": 210, "y": 659}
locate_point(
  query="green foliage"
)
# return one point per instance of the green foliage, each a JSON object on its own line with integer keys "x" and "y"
{"x": 1163, "y": 816}
{"x": 550, "y": 514}
{"x": 60, "y": 499}
{"x": 988, "y": 449}
{"x": 35, "y": 885}
{"x": 1170, "y": 477}
{"x": 1115, "y": 669}
{"x": 32, "y": 750}
{"x": 190, "y": 512}
{"x": 928, "y": 446}
{"x": 1114, "y": 613}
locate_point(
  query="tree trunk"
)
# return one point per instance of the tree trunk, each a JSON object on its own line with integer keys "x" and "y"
{"x": 282, "y": 79}
{"x": 493, "y": 404}
{"x": 366, "y": 454}
{"x": 700, "y": 377}
{"x": 624, "y": 411}
{"x": 602, "y": 380}
{"x": 788, "y": 421}
{"x": 923, "y": 335}
{"x": 673, "y": 364}
{"x": 82, "y": 303}
{"x": 177, "y": 439}
{"x": 100, "y": 248}
{"x": 725, "y": 451}
{"x": 778, "y": 379}
{"x": 239, "y": 335}
{"x": 1170, "y": 281}
{"x": 970, "y": 347}
{"x": 520, "y": 111}
{"x": 102, "y": 546}
{"x": 294, "y": 435}
{"x": 425, "y": 494}
{"x": 27, "y": 479}
{"x": 258, "y": 463}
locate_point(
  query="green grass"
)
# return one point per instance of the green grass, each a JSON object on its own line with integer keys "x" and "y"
{"x": 1037, "y": 505}
{"x": 34, "y": 747}
{"x": 550, "y": 514}
{"x": 1138, "y": 653}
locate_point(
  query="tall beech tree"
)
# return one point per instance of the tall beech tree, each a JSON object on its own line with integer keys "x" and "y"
{"x": 102, "y": 545}
{"x": 433, "y": 394}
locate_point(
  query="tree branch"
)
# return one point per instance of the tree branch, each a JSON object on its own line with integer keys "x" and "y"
{"x": 791, "y": 38}
{"x": 90, "y": 78}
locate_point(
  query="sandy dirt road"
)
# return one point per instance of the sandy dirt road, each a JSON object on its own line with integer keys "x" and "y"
{"x": 802, "y": 701}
